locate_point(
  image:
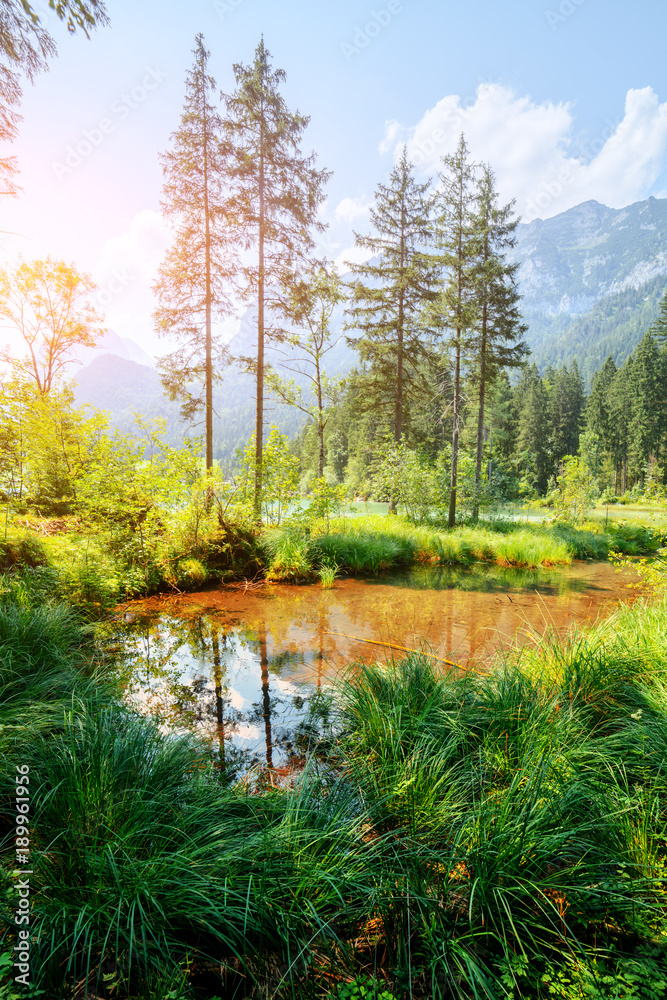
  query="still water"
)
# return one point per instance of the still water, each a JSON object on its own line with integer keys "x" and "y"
{"x": 244, "y": 666}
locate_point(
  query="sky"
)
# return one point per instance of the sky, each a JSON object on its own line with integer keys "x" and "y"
{"x": 566, "y": 99}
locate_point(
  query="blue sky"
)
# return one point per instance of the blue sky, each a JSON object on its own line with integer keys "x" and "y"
{"x": 567, "y": 100}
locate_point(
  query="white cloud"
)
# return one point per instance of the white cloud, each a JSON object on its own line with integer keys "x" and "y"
{"x": 531, "y": 148}
{"x": 124, "y": 272}
{"x": 393, "y": 133}
{"x": 352, "y": 255}
{"x": 350, "y": 209}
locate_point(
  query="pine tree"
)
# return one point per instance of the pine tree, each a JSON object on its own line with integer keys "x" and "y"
{"x": 502, "y": 419}
{"x": 619, "y": 403}
{"x": 566, "y": 403}
{"x": 532, "y": 450}
{"x": 659, "y": 329}
{"x": 192, "y": 280}
{"x": 597, "y": 414}
{"x": 456, "y": 246}
{"x": 388, "y": 296}
{"x": 495, "y": 345}
{"x": 647, "y": 404}
{"x": 276, "y": 195}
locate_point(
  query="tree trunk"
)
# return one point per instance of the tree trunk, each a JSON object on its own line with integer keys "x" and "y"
{"x": 455, "y": 433}
{"x": 219, "y": 700}
{"x": 259, "y": 422}
{"x": 209, "y": 360}
{"x": 266, "y": 697}
{"x": 480, "y": 416}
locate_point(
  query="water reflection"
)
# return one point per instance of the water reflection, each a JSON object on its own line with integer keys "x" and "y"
{"x": 244, "y": 668}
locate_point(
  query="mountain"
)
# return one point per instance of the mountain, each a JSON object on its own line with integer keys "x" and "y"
{"x": 111, "y": 343}
{"x": 124, "y": 388}
{"x": 591, "y": 280}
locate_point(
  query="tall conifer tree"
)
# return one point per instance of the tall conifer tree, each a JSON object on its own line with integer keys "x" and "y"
{"x": 566, "y": 404}
{"x": 619, "y": 402}
{"x": 191, "y": 287}
{"x": 647, "y": 403}
{"x": 496, "y": 342}
{"x": 276, "y": 194}
{"x": 532, "y": 447}
{"x": 456, "y": 246}
{"x": 388, "y": 295}
{"x": 597, "y": 414}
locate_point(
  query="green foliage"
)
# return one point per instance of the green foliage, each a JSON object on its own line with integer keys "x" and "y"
{"x": 363, "y": 988}
{"x": 45, "y": 444}
{"x": 327, "y": 575}
{"x": 480, "y": 830}
{"x": 326, "y": 500}
{"x": 576, "y": 492}
{"x": 280, "y": 478}
{"x": 411, "y": 481}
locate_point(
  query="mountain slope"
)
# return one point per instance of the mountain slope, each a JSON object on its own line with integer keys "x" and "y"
{"x": 591, "y": 280}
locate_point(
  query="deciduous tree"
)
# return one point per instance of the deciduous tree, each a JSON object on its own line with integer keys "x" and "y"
{"x": 310, "y": 303}
{"x": 48, "y": 303}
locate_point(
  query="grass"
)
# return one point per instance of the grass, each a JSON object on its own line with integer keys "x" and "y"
{"x": 497, "y": 835}
{"x": 375, "y": 544}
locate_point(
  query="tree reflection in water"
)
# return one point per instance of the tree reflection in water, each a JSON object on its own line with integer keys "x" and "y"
{"x": 190, "y": 673}
{"x": 244, "y": 669}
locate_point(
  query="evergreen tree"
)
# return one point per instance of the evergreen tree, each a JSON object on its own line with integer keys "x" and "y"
{"x": 496, "y": 345}
{"x": 647, "y": 404}
{"x": 276, "y": 195}
{"x": 533, "y": 451}
{"x": 659, "y": 329}
{"x": 619, "y": 403}
{"x": 597, "y": 415}
{"x": 388, "y": 296}
{"x": 455, "y": 311}
{"x": 191, "y": 283}
{"x": 502, "y": 420}
{"x": 566, "y": 403}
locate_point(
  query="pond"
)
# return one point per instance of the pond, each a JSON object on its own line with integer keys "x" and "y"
{"x": 244, "y": 665}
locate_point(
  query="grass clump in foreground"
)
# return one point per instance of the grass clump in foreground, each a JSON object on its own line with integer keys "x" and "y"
{"x": 496, "y": 836}
{"x": 375, "y": 544}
